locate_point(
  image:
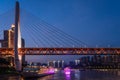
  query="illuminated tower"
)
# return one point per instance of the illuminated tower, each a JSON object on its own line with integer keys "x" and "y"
{"x": 8, "y": 41}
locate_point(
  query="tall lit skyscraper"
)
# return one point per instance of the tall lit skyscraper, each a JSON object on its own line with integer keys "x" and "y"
{"x": 8, "y": 41}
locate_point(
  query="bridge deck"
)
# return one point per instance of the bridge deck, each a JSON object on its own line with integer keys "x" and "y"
{"x": 61, "y": 51}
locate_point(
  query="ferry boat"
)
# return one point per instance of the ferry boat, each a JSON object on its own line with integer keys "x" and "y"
{"x": 36, "y": 72}
{"x": 67, "y": 70}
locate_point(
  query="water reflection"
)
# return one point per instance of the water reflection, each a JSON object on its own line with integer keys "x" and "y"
{"x": 10, "y": 77}
{"x": 67, "y": 77}
{"x": 99, "y": 75}
{"x": 75, "y": 75}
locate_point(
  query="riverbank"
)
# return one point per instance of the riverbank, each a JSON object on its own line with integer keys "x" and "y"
{"x": 10, "y": 76}
{"x": 24, "y": 75}
{"x": 9, "y": 73}
{"x": 34, "y": 74}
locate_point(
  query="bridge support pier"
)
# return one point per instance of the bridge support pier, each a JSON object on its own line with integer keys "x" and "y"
{"x": 19, "y": 62}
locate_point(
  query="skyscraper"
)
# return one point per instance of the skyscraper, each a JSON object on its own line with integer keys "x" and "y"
{"x": 8, "y": 41}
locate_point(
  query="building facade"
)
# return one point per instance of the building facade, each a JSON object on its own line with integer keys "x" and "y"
{"x": 8, "y": 41}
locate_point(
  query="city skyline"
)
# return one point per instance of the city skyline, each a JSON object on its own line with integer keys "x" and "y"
{"x": 95, "y": 23}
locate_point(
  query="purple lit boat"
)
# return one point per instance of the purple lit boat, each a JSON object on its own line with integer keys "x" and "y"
{"x": 67, "y": 70}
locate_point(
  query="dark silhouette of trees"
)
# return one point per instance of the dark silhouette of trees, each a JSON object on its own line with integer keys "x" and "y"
{"x": 3, "y": 61}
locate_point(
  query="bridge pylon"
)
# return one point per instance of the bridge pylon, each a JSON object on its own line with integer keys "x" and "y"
{"x": 17, "y": 39}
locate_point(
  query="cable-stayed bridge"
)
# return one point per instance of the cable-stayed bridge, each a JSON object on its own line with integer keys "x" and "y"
{"x": 43, "y": 38}
{"x": 29, "y": 35}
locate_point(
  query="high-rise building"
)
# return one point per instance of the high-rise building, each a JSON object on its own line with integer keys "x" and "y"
{"x": 8, "y": 41}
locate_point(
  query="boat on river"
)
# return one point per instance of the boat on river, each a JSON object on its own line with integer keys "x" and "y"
{"x": 32, "y": 73}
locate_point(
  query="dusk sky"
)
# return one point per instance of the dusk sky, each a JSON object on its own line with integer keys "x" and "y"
{"x": 95, "y": 22}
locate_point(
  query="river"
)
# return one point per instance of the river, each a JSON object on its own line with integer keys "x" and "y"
{"x": 75, "y": 75}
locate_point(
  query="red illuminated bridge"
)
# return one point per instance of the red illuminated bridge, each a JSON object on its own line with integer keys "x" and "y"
{"x": 61, "y": 51}
{"x": 48, "y": 39}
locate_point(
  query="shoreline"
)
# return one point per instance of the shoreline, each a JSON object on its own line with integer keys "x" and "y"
{"x": 34, "y": 75}
{"x": 26, "y": 75}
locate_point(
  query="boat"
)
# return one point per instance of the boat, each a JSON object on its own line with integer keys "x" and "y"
{"x": 67, "y": 70}
{"x": 33, "y": 73}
